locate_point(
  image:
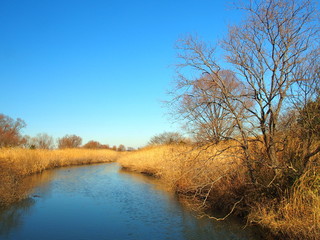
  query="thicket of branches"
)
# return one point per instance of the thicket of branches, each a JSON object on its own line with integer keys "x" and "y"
{"x": 69, "y": 141}
{"x": 167, "y": 138}
{"x": 265, "y": 93}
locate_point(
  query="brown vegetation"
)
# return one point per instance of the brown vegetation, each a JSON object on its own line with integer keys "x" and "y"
{"x": 10, "y": 131}
{"x": 95, "y": 145}
{"x": 297, "y": 215}
{"x": 214, "y": 177}
{"x": 205, "y": 173}
{"x": 256, "y": 124}
{"x": 271, "y": 54}
{"x": 15, "y": 164}
{"x": 262, "y": 112}
{"x": 167, "y": 138}
{"x": 69, "y": 141}
{"x": 121, "y": 148}
{"x": 41, "y": 141}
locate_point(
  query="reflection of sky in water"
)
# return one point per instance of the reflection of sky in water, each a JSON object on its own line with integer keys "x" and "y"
{"x": 101, "y": 202}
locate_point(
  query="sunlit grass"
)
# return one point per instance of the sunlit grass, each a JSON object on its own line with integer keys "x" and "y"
{"x": 215, "y": 177}
{"x": 190, "y": 170}
{"x": 297, "y": 215}
{"x": 211, "y": 176}
{"x": 15, "y": 164}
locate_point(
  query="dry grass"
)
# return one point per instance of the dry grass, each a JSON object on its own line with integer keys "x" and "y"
{"x": 201, "y": 173}
{"x": 297, "y": 216}
{"x": 15, "y": 164}
{"x": 215, "y": 177}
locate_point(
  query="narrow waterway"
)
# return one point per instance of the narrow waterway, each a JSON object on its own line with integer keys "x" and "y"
{"x": 104, "y": 202}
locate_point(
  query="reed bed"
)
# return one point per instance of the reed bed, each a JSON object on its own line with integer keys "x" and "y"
{"x": 204, "y": 174}
{"x": 16, "y": 164}
{"x": 298, "y": 214}
{"x": 214, "y": 177}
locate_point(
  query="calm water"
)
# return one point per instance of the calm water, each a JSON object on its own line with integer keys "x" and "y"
{"x": 103, "y": 202}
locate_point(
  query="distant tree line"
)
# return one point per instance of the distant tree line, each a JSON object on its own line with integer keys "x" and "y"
{"x": 167, "y": 138}
{"x": 10, "y": 136}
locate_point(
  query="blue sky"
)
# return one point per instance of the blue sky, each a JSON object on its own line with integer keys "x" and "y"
{"x": 97, "y": 69}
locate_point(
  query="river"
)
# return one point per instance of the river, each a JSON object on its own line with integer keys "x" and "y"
{"x": 104, "y": 202}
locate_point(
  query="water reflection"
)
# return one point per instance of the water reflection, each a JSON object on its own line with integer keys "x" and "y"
{"x": 11, "y": 217}
{"x": 198, "y": 228}
{"x": 104, "y": 202}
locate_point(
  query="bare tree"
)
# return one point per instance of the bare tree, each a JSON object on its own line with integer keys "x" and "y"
{"x": 230, "y": 95}
{"x": 105, "y": 146}
{"x": 167, "y": 138}
{"x": 270, "y": 51}
{"x": 92, "y": 144}
{"x": 307, "y": 105}
{"x": 10, "y": 131}
{"x": 121, "y": 148}
{"x": 42, "y": 141}
{"x": 269, "y": 55}
{"x": 69, "y": 141}
{"x": 203, "y": 105}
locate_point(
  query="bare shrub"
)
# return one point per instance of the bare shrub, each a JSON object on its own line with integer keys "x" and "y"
{"x": 167, "y": 138}
{"x": 69, "y": 141}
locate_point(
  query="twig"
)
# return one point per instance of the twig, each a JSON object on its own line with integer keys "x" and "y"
{"x": 224, "y": 218}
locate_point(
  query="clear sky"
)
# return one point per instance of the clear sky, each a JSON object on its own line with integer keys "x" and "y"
{"x": 97, "y": 68}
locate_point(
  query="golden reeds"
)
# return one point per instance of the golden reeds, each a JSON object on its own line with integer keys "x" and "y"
{"x": 17, "y": 163}
{"x": 202, "y": 172}
{"x": 215, "y": 177}
{"x": 297, "y": 216}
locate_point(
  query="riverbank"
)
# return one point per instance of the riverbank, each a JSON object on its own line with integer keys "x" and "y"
{"x": 16, "y": 164}
{"x": 101, "y": 201}
{"x": 208, "y": 177}
{"x": 214, "y": 177}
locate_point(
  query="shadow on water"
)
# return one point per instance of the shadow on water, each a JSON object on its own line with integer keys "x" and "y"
{"x": 11, "y": 217}
{"x": 105, "y": 202}
{"x": 195, "y": 227}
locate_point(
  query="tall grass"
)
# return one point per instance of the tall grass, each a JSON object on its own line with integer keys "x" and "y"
{"x": 15, "y": 164}
{"x": 297, "y": 215}
{"x": 214, "y": 177}
{"x": 202, "y": 174}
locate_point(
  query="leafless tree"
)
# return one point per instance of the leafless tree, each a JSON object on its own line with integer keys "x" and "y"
{"x": 203, "y": 105}
{"x": 268, "y": 55}
{"x": 270, "y": 51}
{"x": 42, "y": 141}
{"x": 105, "y": 146}
{"x": 167, "y": 138}
{"x": 69, "y": 141}
{"x": 121, "y": 148}
{"x": 10, "y": 131}
{"x": 92, "y": 144}
{"x": 307, "y": 105}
